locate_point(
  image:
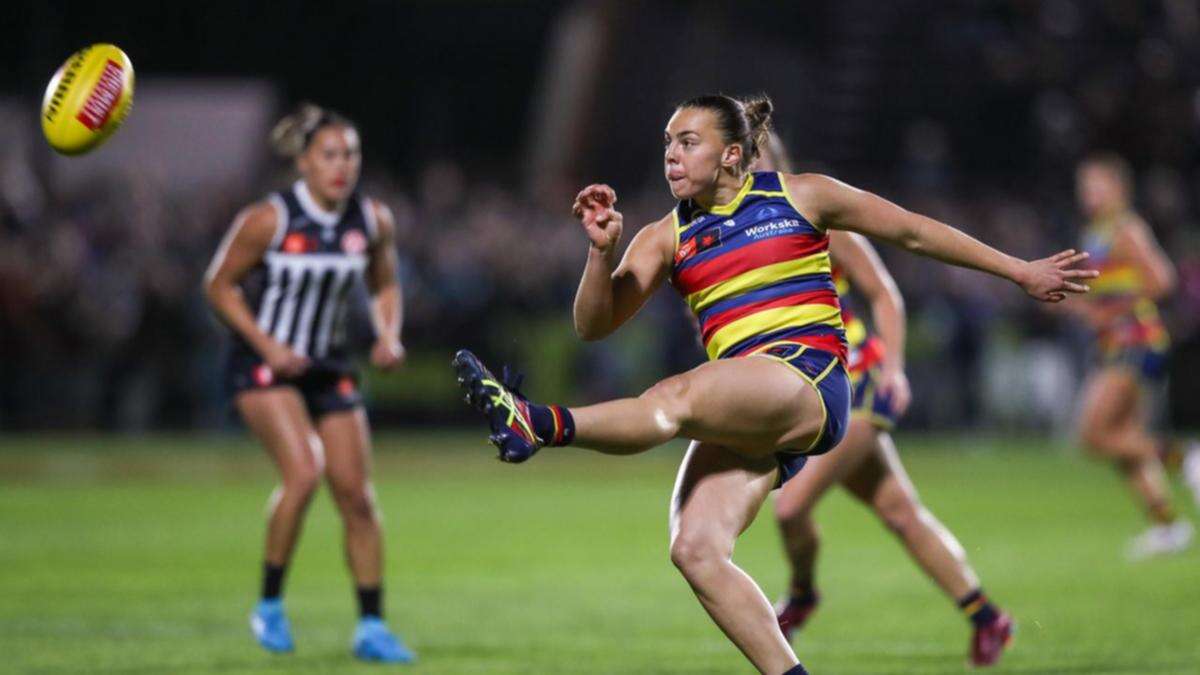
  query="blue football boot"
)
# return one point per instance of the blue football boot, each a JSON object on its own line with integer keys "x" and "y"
{"x": 374, "y": 642}
{"x": 270, "y": 626}
{"x": 506, "y": 409}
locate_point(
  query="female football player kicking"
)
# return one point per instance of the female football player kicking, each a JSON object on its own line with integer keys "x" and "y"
{"x": 749, "y": 253}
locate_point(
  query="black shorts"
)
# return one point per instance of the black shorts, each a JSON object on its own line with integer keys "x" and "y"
{"x": 326, "y": 388}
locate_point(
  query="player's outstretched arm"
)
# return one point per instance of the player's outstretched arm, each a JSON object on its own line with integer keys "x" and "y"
{"x": 610, "y": 294}
{"x": 830, "y": 203}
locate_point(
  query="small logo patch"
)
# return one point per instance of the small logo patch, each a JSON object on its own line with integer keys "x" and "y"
{"x": 298, "y": 243}
{"x": 345, "y": 387}
{"x": 354, "y": 241}
{"x": 710, "y": 238}
{"x": 263, "y": 377}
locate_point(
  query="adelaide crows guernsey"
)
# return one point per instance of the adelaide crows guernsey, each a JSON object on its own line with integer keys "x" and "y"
{"x": 756, "y": 272}
{"x": 299, "y": 291}
{"x": 1121, "y": 283}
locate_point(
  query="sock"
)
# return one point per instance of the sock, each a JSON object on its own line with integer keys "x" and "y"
{"x": 979, "y": 610}
{"x": 805, "y": 595}
{"x": 272, "y": 582}
{"x": 370, "y": 601}
{"x": 552, "y": 423}
{"x": 797, "y": 669}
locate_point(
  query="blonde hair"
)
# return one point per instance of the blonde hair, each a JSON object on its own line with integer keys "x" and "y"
{"x": 291, "y": 135}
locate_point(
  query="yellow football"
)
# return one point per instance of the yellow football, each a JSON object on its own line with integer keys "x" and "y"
{"x": 87, "y": 99}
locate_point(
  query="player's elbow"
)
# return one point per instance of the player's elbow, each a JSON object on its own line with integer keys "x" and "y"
{"x": 1163, "y": 285}
{"x": 910, "y": 239}
{"x": 590, "y": 332}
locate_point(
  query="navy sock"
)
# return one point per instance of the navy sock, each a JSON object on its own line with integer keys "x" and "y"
{"x": 370, "y": 601}
{"x": 797, "y": 669}
{"x": 272, "y": 582}
{"x": 552, "y": 423}
{"x": 979, "y": 610}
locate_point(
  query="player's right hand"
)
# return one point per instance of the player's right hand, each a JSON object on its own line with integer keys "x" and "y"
{"x": 1052, "y": 279}
{"x": 602, "y": 223}
{"x": 285, "y": 362}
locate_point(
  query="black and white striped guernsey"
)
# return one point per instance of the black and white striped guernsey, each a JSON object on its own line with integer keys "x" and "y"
{"x": 299, "y": 291}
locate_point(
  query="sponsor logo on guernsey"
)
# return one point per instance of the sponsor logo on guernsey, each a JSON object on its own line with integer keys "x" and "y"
{"x": 768, "y": 212}
{"x": 686, "y": 249}
{"x": 298, "y": 243}
{"x": 345, "y": 387}
{"x": 103, "y": 99}
{"x": 263, "y": 376}
{"x": 354, "y": 242}
{"x": 773, "y": 228}
{"x": 729, "y": 223}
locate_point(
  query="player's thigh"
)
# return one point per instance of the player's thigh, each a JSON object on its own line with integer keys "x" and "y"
{"x": 754, "y": 404}
{"x": 717, "y": 494}
{"x": 880, "y": 477}
{"x": 279, "y": 420}
{"x": 802, "y": 492}
{"x": 347, "y": 440}
{"x": 1110, "y": 399}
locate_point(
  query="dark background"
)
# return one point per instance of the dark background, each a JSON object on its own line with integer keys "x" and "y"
{"x": 481, "y": 119}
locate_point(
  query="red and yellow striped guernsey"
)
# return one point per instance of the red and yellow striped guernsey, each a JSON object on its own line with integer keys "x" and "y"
{"x": 756, "y": 272}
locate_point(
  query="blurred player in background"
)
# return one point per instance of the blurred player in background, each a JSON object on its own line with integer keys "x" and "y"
{"x": 749, "y": 252}
{"x": 866, "y": 462}
{"x": 1130, "y": 344}
{"x": 280, "y": 281}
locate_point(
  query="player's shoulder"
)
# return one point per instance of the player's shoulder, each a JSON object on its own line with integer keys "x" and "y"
{"x": 259, "y": 221}
{"x": 1133, "y": 228}
{"x": 809, "y": 184}
{"x": 379, "y": 216}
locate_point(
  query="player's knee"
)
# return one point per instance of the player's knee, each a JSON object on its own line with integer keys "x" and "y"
{"x": 696, "y": 553}
{"x": 790, "y": 510}
{"x": 302, "y": 481}
{"x": 672, "y": 400}
{"x": 1094, "y": 438}
{"x": 899, "y": 513}
{"x": 355, "y": 502}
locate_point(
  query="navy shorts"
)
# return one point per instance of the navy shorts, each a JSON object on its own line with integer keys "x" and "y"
{"x": 1149, "y": 362}
{"x": 828, "y": 377}
{"x": 324, "y": 388}
{"x": 869, "y": 403}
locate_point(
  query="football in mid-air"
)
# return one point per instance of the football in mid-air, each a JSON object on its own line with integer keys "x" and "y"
{"x": 87, "y": 99}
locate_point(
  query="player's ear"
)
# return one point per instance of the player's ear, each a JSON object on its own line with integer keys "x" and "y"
{"x": 731, "y": 156}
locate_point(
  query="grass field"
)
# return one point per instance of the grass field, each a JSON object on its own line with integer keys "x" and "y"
{"x": 142, "y": 556}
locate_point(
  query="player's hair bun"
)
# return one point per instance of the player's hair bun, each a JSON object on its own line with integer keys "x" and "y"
{"x": 758, "y": 114}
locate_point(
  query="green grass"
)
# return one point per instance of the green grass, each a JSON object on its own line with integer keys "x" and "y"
{"x": 142, "y": 556}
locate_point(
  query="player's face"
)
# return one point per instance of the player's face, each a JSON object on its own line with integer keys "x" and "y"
{"x": 1098, "y": 190}
{"x": 695, "y": 152}
{"x": 331, "y": 163}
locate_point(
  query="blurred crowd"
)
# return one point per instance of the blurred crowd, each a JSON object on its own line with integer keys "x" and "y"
{"x": 102, "y": 322}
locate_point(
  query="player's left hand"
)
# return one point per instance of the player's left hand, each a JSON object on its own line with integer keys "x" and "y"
{"x": 388, "y": 354}
{"x": 1051, "y": 279}
{"x": 894, "y": 384}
